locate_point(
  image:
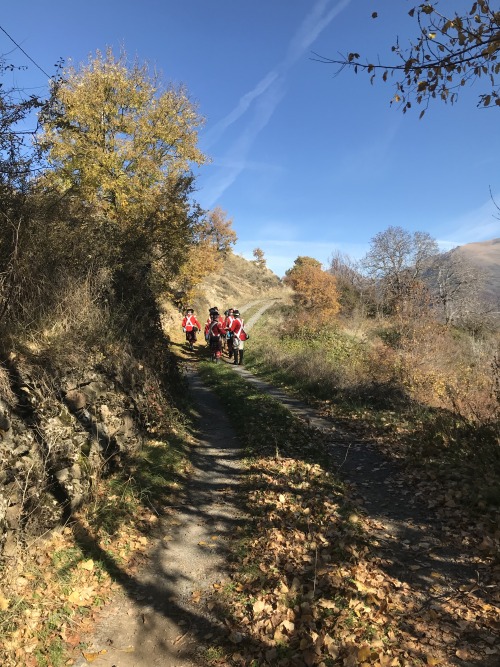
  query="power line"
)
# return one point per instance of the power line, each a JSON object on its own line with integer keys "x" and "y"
{"x": 26, "y": 54}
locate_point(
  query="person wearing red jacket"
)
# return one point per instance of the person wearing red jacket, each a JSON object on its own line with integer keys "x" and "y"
{"x": 215, "y": 332}
{"x": 229, "y": 334}
{"x": 239, "y": 337}
{"x": 212, "y": 311}
{"x": 190, "y": 326}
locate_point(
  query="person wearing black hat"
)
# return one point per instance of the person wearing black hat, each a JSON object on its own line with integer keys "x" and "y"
{"x": 215, "y": 333}
{"x": 190, "y": 326}
{"x": 239, "y": 337}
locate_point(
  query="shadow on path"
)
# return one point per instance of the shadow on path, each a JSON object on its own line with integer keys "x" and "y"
{"x": 158, "y": 618}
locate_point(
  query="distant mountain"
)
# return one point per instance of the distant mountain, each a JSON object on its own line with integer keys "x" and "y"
{"x": 485, "y": 255}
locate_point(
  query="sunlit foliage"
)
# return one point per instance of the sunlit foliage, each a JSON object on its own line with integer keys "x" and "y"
{"x": 315, "y": 290}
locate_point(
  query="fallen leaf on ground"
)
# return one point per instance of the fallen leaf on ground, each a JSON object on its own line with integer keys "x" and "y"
{"x": 87, "y": 565}
{"x": 90, "y": 657}
{"x": 363, "y": 653}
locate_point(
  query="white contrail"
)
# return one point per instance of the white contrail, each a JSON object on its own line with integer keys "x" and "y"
{"x": 263, "y": 100}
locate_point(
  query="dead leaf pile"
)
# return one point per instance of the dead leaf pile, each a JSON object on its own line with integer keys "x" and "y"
{"x": 52, "y": 597}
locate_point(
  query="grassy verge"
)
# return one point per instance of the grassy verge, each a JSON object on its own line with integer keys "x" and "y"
{"x": 307, "y": 587}
{"x": 334, "y": 372}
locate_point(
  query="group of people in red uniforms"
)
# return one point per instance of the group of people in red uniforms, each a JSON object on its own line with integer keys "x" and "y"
{"x": 218, "y": 328}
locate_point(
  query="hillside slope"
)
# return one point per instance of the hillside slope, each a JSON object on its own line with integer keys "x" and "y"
{"x": 486, "y": 256}
{"x": 237, "y": 282}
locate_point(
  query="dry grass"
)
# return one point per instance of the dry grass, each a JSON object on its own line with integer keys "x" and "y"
{"x": 432, "y": 396}
{"x": 77, "y": 321}
{"x": 237, "y": 282}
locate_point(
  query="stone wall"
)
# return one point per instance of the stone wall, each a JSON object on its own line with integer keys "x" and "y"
{"x": 57, "y": 435}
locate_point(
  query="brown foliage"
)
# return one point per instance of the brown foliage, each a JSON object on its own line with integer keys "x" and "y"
{"x": 451, "y": 49}
{"x": 218, "y": 228}
{"x": 259, "y": 260}
{"x": 213, "y": 239}
{"x": 315, "y": 290}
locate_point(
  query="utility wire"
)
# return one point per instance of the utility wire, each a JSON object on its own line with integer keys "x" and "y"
{"x": 26, "y": 54}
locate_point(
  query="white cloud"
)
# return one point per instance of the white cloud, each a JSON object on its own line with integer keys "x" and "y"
{"x": 312, "y": 27}
{"x": 215, "y": 133}
{"x": 252, "y": 165}
{"x": 222, "y": 179}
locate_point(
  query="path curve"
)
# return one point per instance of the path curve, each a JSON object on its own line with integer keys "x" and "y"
{"x": 158, "y": 619}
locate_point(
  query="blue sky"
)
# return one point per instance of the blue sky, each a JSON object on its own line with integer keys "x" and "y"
{"x": 303, "y": 161}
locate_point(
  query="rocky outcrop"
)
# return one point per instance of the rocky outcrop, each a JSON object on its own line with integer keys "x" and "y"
{"x": 58, "y": 434}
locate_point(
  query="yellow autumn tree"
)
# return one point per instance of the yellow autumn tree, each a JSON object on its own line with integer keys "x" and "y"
{"x": 122, "y": 143}
{"x": 315, "y": 291}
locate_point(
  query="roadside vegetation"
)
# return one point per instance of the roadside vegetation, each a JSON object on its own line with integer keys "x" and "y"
{"x": 411, "y": 359}
{"x": 308, "y": 584}
{"x": 52, "y": 595}
{"x": 98, "y": 228}
{"x": 97, "y": 220}
{"x": 431, "y": 401}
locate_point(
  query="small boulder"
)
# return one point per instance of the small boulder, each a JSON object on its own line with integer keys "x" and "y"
{"x": 75, "y": 400}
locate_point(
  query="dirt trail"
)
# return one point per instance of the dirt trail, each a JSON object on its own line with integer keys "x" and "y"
{"x": 156, "y": 620}
{"x": 261, "y": 310}
{"x": 401, "y": 522}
